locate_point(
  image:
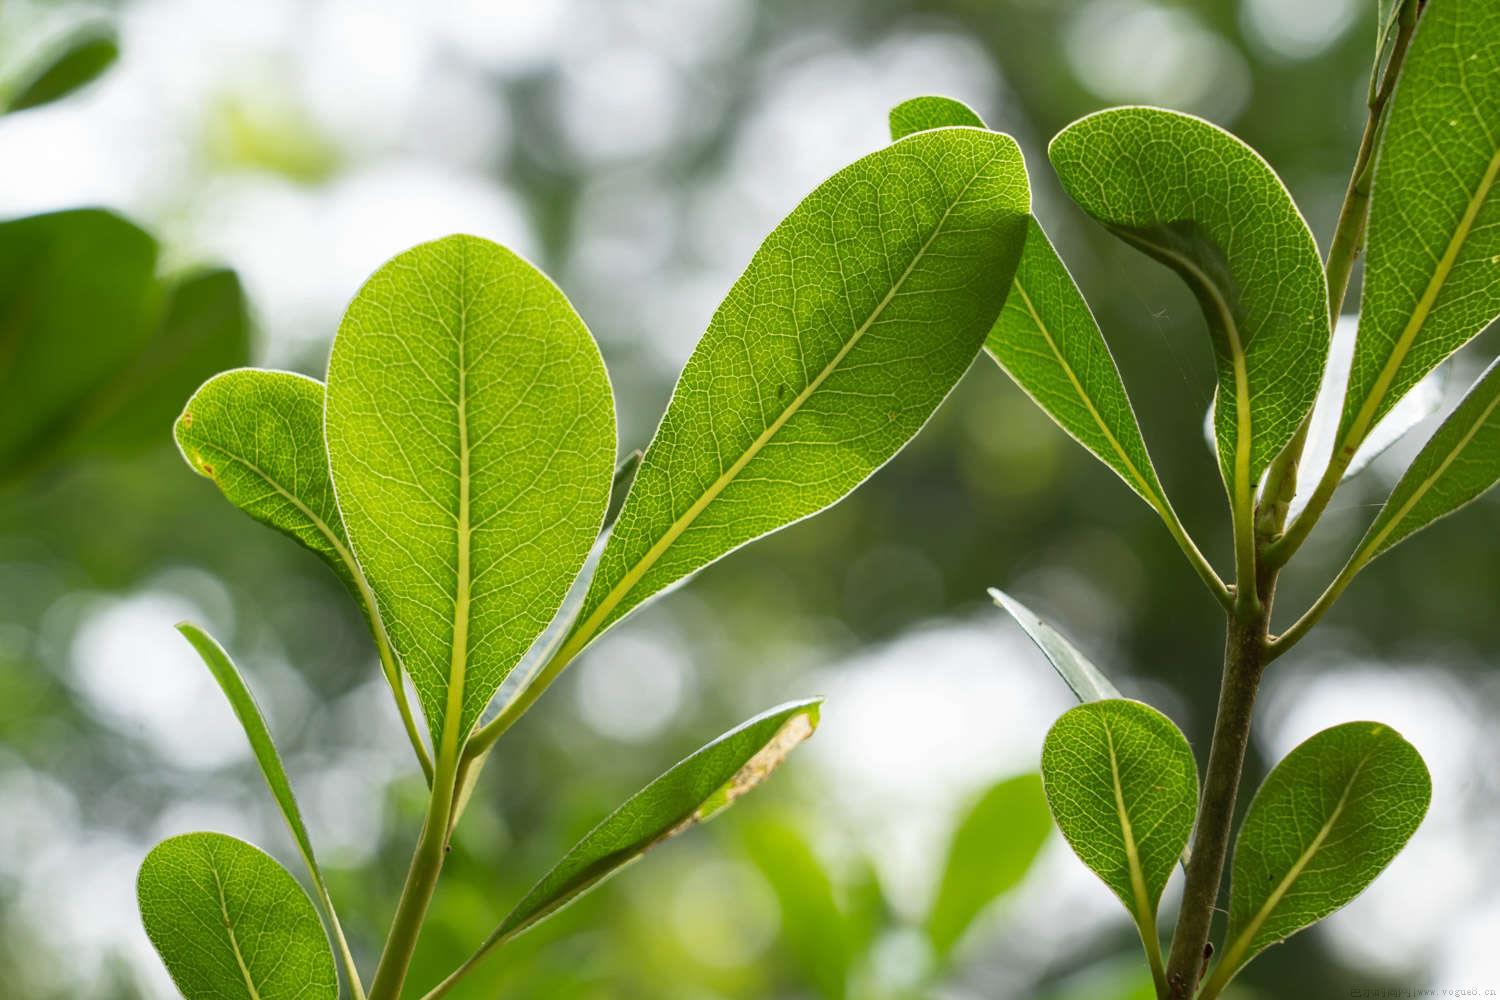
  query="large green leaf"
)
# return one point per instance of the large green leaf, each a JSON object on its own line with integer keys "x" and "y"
{"x": 264, "y": 748}
{"x": 1434, "y": 231}
{"x": 78, "y": 61}
{"x": 471, "y": 435}
{"x": 851, "y": 324}
{"x": 1085, "y": 679}
{"x": 1046, "y": 338}
{"x": 693, "y": 791}
{"x": 231, "y": 924}
{"x": 815, "y": 932}
{"x": 993, "y": 848}
{"x": 77, "y": 292}
{"x": 1123, "y": 786}
{"x": 1205, "y": 204}
{"x": 1460, "y": 462}
{"x": 1325, "y": 823}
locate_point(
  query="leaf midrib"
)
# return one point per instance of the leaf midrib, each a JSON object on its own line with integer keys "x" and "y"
{"x": 234, "y": 944}
{"x": 1364, "y": 420}
{"x": 1144, "y": 916}
{"x": 459, "y": 657}
{"x": 1088, "y": 402}
{"x": 633, "y": 576}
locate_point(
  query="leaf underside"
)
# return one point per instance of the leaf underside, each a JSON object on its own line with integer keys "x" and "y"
{"x": 695, "y": 790}
{"x": 852, "y": 322}
{"x": 1434, "y": 232}
{"x": 1086, "y": 680}
{"x": 231, "y": 924}
{"x": 1123, "y": 787}
{"x": 1205, "y": 204}
{"x": 471, "y": 438}
{"x": 1457, "y": 465}
{"x": 1325, "y": 823}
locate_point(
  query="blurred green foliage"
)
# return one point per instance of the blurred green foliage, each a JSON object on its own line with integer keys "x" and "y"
{"x": 989, "y": 494}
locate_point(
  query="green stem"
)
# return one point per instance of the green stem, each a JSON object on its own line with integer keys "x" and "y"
{"x": 421, "y": 882}
{"x": 1244, "y": 659}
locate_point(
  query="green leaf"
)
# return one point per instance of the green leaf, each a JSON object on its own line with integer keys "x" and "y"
{"x": 77, "y": 62}
{"x": 695, "y": 790}
{"x": 1205, "y": 204}
{"x": 77, "y": 293}
{"x": 1123, "y": 787}
{"x": 204, "y": 328}
{"x": 993, "y": 848}
{"x": 922, "y": 113}
{"x": 259, "y": 436}
{"x": 1434, "y": 232}
{"x": 1325, "y": 823}
{"x": 1085, "y": 679}
{"x": 471, "y": 435}
{"x": 1458, "y": 464}
{"x": 1046, "y": 338}
{"x": 231, "y": 924}
{"x": 851, "y": 324}
{"x": 814, "y": 931}
{"x": 259, "y": 735}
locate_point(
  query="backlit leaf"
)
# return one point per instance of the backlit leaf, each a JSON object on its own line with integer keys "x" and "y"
{"x": 815, "y": 932}
{"x": 930, "y": 111}
{"x": 231, "y": 924}
{"x": 1123, "y": 786}
{"x": 1434, "y": 233}
{"x": 1205, "y": 204}
{"x": 852, "y": 322}
{"x": 470, "y": 434}
{"x": 1459, "y": 463}
{"x": 695, "y": 790}
{"x": 1325, "y": 823}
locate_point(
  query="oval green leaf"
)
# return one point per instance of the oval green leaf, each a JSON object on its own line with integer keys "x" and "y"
{"x": 853, "y": 321}
{"x": 259, "y": 436}
{"x": 80, "y": 60}
{"x": 1459, "y": 463}
{"x": 1122, "y": 784}
{"x": 1434, "y": 232}
{"x": 992, "y": 849}
{"x": 1086, "y": 681}
{"x": 259, "y": 734}
{"x": 1325, "y": 823}
{"x": 1205, "y": 204}
{"x": 931, "y": 111}
{"x": 696, "y": 789}
{"x": 231, "y": 924}
{"x": 815, "y": 934}
{"x": 471, "y": 437}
